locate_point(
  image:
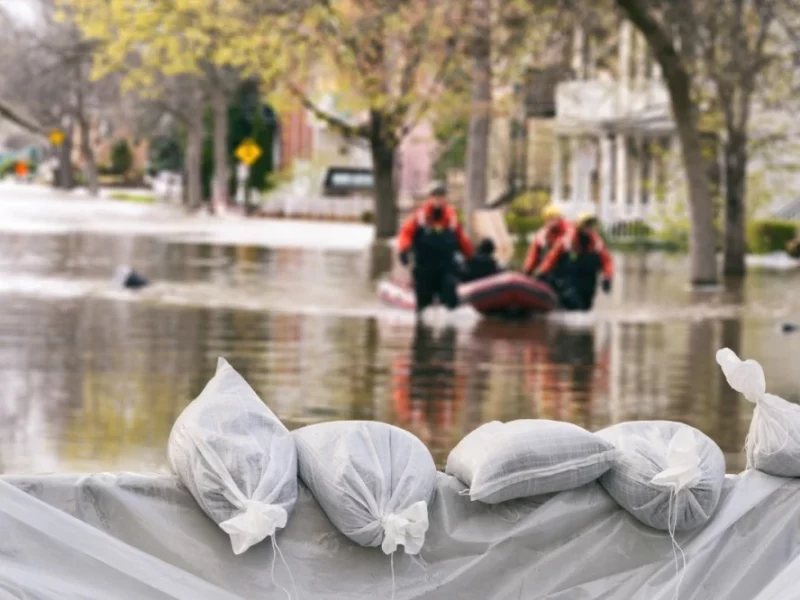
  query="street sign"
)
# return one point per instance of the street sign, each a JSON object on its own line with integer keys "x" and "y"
{"x": 56, "y": 137}
{"x": 248, "y": 151}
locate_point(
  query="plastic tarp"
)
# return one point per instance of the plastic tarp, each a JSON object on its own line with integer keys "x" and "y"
{"x": 137, "y": 536}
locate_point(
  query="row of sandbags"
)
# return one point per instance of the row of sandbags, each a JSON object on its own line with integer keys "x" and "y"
{"x": 375, "y": 481}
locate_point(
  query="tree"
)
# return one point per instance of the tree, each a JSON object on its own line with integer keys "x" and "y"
{"x": 735, "y": 52}
{"x": 508, "y": 38}
{"x": 480, "y": 107}
{"x": 713, "y": 55}
{"x": 158, "y": 44}
{"x": 121, "y": 158}
{"x": 182, "y": 100}
{"x": 389, "y": 62}
{"x": 47, "y": 71}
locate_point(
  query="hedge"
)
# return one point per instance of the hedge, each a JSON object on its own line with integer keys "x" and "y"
{"x": 521, "y": 225}
{"x": 770, "y": 235}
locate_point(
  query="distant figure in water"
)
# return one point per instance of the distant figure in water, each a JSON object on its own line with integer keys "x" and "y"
{"x": 129, "y": 279}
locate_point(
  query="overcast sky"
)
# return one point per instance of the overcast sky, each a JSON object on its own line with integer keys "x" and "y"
{"x": 22, "y": 9}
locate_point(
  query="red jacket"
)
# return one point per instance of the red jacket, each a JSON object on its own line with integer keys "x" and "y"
{"x": 569, "y": 244}
{"x": 423, "y": 217}
{"x": 544, "y": 239}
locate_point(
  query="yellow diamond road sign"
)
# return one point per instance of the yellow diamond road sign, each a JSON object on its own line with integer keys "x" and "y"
{"x": 248, "y": 151}
{"x": 56, "y": 137}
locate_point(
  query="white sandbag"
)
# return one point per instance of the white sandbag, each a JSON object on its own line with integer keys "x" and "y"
{"x": 773, "y": 442}
{"x": 236, "y": 458}
{"x": 502, "y": 461}
{"x": 374, "y": 481}
{"x": 669, "y": 475}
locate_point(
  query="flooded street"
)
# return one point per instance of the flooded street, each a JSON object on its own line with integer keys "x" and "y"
{"x": 93, "y": 377}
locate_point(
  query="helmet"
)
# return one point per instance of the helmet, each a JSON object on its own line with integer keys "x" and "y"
{"x": 437, "y": 188}
{"x": 552, "y": 211}
{"x": 586, "y": 218}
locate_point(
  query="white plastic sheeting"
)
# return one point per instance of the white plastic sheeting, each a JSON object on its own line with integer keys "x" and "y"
{"x": 578, "y": 545}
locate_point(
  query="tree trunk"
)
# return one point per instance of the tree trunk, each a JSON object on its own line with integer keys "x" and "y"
{"x": 66, "y": 178}
{"x": 383, "y": 145}
{"x": 219, "y": 105}
{"x": 735, "y": 191}
{"x": 193, "y": 160}
{"x": 87, "y": 153}
{"x": 702, "y": 246}
{"x": 84, "y": 128}
{"x": 480, "y": 111}
{"x": 702, "y": 249}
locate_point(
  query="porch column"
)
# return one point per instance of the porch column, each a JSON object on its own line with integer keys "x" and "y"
{"x": 637, "y": 178}
{"x": 574, "y": 170}
{"x": 625, "y": 34}
{"x": 672, "y": 179}
{"x": 606, "y": 176}
{"x": 622, "y": 174}
{"x": 558, "y": 185}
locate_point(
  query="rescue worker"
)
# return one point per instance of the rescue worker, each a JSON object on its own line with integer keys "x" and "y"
{"x": 435, "y": 237}
{"x": 554, "y": 228}
{"x": 483, "y": 263}
{"x": 573, "y": 264}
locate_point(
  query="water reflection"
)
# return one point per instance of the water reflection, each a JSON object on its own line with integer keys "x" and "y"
{"x": 95, "y": 383}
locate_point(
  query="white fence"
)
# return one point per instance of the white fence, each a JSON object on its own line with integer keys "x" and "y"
{"x": 354, "y": 207}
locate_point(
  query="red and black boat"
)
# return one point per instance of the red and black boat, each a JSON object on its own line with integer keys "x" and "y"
{"x": 505, "y": 294}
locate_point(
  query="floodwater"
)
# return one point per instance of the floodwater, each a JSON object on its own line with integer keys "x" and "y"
{"x": 94, "y": 377}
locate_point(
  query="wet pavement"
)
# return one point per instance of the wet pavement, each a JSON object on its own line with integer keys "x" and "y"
{"x": 93, "y": 377}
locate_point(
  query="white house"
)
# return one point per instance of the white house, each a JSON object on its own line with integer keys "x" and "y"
{"x": 615, "y": 148}
{"x": 616, "y": 151}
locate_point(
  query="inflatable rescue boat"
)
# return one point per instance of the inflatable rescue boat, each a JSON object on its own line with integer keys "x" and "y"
{"x": 508, "y": 293}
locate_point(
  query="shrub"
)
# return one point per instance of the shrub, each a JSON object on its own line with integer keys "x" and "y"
{"x": 7, "y": 167}
{"x": 522, "y": 225}
{"x": 121, "y": 158}
{"x": 530, "y": 202}
{"x": 770, "y": 235}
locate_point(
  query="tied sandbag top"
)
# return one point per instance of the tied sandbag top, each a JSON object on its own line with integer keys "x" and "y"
{"x": 773, "y": 442}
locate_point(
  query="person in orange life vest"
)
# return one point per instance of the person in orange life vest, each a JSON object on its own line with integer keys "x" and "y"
{"x": 435, "y": 237}
{"x": 554, "y": 228}
{"x": 574, "y": 263}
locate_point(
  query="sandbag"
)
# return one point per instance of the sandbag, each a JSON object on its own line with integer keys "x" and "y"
{"x": 668, "y": 475}
{"x": 236, "y": 458}
{"x": 528, "y": 457}
{"x": 773, "y": 442}
{"x": 373, "y": 480}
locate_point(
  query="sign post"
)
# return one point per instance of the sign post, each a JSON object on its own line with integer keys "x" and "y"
{"x": 248, "y": 152}
{"x": 56, "y": 137}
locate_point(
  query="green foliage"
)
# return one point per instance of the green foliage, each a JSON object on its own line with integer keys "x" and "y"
{"x": 121, "y": 158}
{"x": 451, "y": 133}
{"x": 521, "y": 225}
{"x": 165, "y": 154}
{"x": 248, "y": 117}
{"x": 137, "y": 198}
{"x": 530, "y": 203}
{"x": 7, "y": 167}
{"x": 771, "y": 235}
